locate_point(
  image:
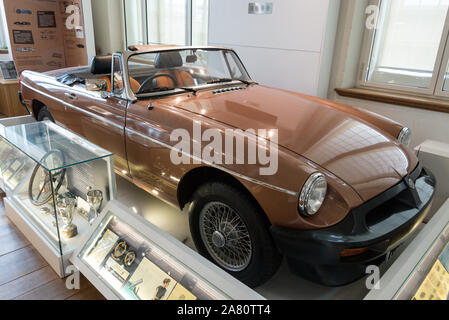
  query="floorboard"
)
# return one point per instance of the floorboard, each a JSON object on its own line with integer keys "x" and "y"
{"x": 19, "y": 263}
{"x": 25, "y": 275}
{"x": 11, "y": 239}
{"x": 87, "y": 294}
{"x": 27, "y": 283}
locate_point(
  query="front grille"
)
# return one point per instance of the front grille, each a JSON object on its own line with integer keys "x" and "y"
{"x": 386, "y": 210}
{"x": 402, "y": 199}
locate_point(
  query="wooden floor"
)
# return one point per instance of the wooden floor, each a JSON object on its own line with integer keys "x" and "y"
{"x": 25, "y": 275}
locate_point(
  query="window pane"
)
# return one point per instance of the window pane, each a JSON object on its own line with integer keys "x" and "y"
{"x": 407, "y": 41}
{"x": 200, "y": 16}
{"x": 446, "y": 80}
{"x": 2, "y": 35}
{"x": 167, "y": 21}
{"x": 135, "y": 22}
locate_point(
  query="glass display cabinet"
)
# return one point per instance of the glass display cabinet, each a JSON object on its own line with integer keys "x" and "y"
{"x": 421, "y": 272}
{"x": 56, "y": 183}
{"x": 127, "y": 258}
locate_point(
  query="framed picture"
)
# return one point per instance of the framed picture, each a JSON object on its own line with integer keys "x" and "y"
{"x": 23, "y": 36}
{"x": 9, "y": 71}
{"x": 46, "y": 19}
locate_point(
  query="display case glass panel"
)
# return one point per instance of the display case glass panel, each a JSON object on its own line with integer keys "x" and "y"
{"x": 56, "y": 179}
{"x": 421, "y": 271}
{"x": 128, "y": 258}
{"x": 429, "y": 279}
{"x": 137, "y": 269}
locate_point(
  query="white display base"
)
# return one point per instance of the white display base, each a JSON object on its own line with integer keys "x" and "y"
{"x": 34, "y": 236}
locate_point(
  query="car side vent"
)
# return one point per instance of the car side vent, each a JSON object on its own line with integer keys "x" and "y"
{"x": 224, "y": 90}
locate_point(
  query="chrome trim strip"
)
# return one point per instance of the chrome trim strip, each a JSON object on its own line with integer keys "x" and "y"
{"x": 74, "y": 107}
{"x": 291, "y": 193}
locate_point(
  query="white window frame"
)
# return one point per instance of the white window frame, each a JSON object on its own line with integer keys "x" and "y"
{"x": 189, "y": 23}
{"x": 437, "y": 81}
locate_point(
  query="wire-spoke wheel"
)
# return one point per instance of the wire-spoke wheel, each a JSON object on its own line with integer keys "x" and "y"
{"x": 226, "y": 236}
{"x": 231, "y": 230}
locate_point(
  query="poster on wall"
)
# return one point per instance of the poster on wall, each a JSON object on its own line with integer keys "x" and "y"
{"x": 46, "y": 19}
{"x": 46, "y": 34}
{"x": 74, "y": 36}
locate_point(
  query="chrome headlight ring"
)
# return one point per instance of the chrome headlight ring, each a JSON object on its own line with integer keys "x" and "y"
{"x": 405, "y": 137}
{"x": 313, "y": 194}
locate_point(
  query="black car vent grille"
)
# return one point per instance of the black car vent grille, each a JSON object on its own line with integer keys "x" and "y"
{"x": 224, "y": 90}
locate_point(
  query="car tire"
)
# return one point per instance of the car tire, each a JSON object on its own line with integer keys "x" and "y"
{"x": 45, "y": 115}
{"x": 240, "y": 229}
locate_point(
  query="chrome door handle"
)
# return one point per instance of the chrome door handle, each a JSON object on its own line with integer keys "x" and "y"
{"x": 71, "y": 96}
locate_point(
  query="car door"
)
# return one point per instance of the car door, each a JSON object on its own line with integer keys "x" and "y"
{"x": 100, "y": 118}
{"x": 149, "y": 125}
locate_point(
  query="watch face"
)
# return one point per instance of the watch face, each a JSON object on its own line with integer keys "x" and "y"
{"x": 130, "y": 258}
{"x": 120, "y": 250}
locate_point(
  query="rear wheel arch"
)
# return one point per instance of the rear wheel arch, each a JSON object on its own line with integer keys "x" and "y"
{"x": 36, "y": 106}
{"x": 202, "y": 175}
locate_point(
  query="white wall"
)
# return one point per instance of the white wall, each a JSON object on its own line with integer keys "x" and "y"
{"x": 290, "y": 48}
{"x": 424, "y": 124}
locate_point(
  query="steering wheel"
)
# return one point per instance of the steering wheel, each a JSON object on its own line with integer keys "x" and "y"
{"x": 149, "y": 80}
{"x": 45, "y": 189}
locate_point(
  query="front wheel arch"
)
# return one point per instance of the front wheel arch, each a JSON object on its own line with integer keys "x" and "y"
{"x": 202, "y": 175}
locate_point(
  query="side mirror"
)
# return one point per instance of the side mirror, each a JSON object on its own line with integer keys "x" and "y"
{"x": 96, "y": 85}
{"x": 105, "y": 95}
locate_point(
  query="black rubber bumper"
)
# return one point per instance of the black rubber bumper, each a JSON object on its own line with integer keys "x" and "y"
{"x": 22, "y": 102}
{"x": 379, "y": 227}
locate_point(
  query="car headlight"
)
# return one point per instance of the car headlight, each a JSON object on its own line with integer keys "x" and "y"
{"x": 405, "y": 136}
{"x": 313, "y": 194}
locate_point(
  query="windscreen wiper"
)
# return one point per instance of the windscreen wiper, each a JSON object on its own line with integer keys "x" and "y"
{"x": 220, "y": 80}
{"x": 245, "y": 82}
{"x": 230, "y": 80}
{"x": 194, "y": 91}
{"x": 159, "y": 89}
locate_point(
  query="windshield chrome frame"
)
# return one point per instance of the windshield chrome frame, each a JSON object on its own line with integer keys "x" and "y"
{"x": 132, "y": 96}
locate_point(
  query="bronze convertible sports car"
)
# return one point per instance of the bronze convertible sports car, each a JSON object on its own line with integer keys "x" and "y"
{"x": 346, "y": 192}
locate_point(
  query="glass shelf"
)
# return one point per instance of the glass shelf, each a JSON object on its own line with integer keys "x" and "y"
{"x": 36, "y": 139}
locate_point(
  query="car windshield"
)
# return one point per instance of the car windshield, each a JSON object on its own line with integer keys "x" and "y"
{"x": 186, "y": 69}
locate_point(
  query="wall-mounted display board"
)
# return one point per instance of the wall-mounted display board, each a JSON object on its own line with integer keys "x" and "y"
{"x": 8, "y": 69}
{"x": 44, "y": 35}
{"x": 127, "y": 258}
{"x": 422, "y": 270}
{"x": 56, "y": 184}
